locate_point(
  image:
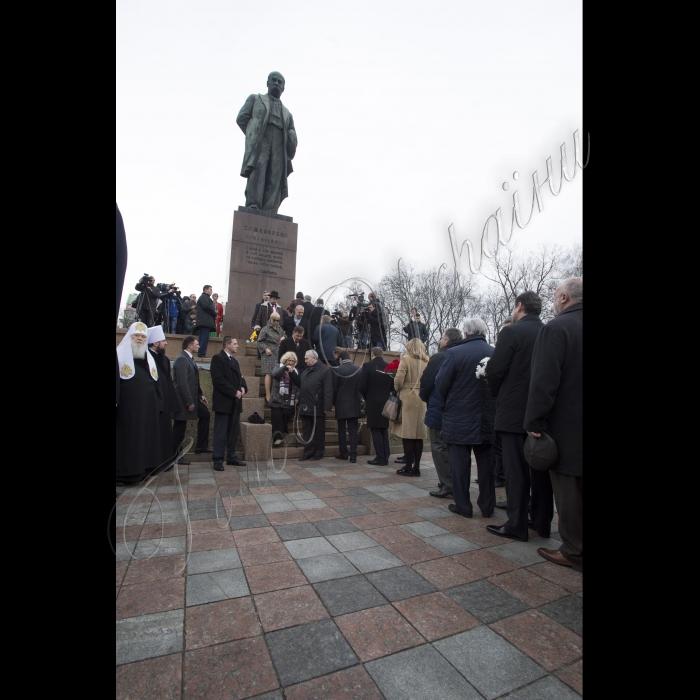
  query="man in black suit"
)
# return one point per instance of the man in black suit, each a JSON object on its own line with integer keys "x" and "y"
{"x": 555, "y": 404}
{"x": 229, "y": 388}
{"x": 315, "y": 317}
{"x": 346, "y": 398}
{"x": 375, "y": 387}
{"x": 265, "y": 299}
{"x": 191, "y": 400}
{"x": 308, "y": 306}
{"x": 508, "y": 373}
{"x": 291, "y": 322}
{"x": 297, "y": 344}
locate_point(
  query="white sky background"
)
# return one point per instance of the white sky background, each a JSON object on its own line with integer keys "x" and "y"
{"x": 410, "y": 116}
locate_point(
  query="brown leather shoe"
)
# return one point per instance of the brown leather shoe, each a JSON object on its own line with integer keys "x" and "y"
{"x": 555, "y": 556}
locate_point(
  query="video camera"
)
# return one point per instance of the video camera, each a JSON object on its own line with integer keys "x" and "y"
{"x": 164, "y": 287}
{"x": 360, "y": 302}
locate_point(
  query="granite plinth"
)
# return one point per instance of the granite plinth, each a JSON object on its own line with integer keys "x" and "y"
{"x": 263, "y": 256}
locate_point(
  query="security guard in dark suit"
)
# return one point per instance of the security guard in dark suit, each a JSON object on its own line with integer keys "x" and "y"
{"x": 229, "y": 388}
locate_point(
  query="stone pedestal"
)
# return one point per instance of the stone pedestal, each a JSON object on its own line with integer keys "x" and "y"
{"x": 263, "y": 256}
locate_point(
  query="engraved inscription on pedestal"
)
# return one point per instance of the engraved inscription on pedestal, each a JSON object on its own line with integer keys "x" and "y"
{"x": 263, "y": 256}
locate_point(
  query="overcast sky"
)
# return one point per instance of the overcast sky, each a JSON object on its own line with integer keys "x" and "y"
{"x": 410, "y": 116}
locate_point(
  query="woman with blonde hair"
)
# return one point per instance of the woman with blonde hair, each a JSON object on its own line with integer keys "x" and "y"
{"x": 411, "y": 428}
{"x": 268, "y": 345}
{"x": 285, "y": 393}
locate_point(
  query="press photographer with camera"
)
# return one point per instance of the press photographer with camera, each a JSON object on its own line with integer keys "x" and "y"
{"x": 359, "y": 315}
{"x": 377, "y": 332}
{"x": 171, "y": 309}
{"x": 342, "y": 322}
{"x": 146, "y": 303}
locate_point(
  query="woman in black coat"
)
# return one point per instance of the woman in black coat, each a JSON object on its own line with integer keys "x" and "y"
{"x": 284, "y": 396}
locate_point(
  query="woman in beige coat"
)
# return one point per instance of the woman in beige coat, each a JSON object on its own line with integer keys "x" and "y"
{"x": 411, "y": 429}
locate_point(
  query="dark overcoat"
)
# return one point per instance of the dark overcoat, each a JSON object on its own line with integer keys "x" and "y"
{"x": 169, "y": 406}
{"x": 433, "y": 416}
{"x": 289, "y": 326}
{"x": 186, "y": 385}
{"x": 468, "y": 408}
{"x": 326, "y": 339}
{"x": 555, "y": 399}
{"x": 316, "y": 395}
{"x": 375, "y": 387}
{"x": 508, "y": 372}
{"x": 288, "y": 345}
{"x": 315, "y": 319}
{"x": 206, "y": 313}
{"x": 346, "y": 390}
{"x": 227, "y": 380}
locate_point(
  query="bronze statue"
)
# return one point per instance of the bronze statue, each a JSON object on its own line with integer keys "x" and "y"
{"x": 270, "y": 145}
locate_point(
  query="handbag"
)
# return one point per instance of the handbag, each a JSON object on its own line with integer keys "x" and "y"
{"x": 256, "y": 418}
{"x": 392, "y": 407}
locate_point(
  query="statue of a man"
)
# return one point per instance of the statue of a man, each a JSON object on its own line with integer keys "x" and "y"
{"x": 270, "y": 145}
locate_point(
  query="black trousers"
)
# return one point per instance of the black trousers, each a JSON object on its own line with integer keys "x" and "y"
{"x": 203, "y": 341}
{"x": 413, "y": 449}
{"x": 380, "y": 438}
{"x": 203, "y": 418}
{"x": 313, "y": 430}
{"x": 280, "y": 419}
{"x": 226, "y": 429}
{"x": 523, "y": 486}
{"x": 498, "y": 458}
{"x": 352, "y": 428}
{"x": 568, "y": 493}
{"x": 460, "y": 463}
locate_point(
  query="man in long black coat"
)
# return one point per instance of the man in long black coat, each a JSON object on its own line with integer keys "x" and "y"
{"x": 139, "y": 407}
{"x": 156, "y": 346}
{"x": 555, "y": 404}
{"x": 315, "y": 397}
{"x": 508, "y": 373}
{"x": 375, "y": 387}
{"x": 346, "y": 397}
{"x": 315, "y": 316}
{"x": 289, "y": 323}
{"x": 229, "y": 388}
{"x": 206, "y": 319}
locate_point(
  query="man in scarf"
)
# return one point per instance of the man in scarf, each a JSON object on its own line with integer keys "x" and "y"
{"x": 139, "y": 406}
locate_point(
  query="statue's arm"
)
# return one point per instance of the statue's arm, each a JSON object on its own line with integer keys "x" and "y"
{"x": 246, "y": 113}
{"x": 291, "y": 139}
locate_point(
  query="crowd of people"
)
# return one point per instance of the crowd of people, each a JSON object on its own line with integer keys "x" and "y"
{"x": 161, "y": 304}
{"x": 469, "y": 397}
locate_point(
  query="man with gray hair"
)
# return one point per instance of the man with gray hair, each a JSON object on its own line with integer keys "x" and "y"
{"x": 315, "y": 397}
{"x": 555, "y": 404}
{"x": 433, "y": 416}
{"x": 467, "y": 418}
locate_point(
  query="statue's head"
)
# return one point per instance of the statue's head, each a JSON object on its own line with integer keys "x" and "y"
{"x": 275, "y": 84}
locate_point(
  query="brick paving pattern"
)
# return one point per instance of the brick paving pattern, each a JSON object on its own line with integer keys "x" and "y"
{"x": 334, "y": 581}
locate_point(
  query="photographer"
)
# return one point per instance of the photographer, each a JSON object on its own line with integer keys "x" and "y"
{"x": 359, "y": 314}
{"x": 171, "y": 309}
{"x": 416, "y": 328}
{"x": 147, "y": 301}
{"x": 344, "y": 325}
{"x": 377, "y": 333}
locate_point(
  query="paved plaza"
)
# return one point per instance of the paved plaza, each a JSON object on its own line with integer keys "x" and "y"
{"x": 333, "y": 580}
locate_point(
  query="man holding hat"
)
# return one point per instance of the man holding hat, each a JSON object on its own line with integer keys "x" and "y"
{"x": 139, "y": 406}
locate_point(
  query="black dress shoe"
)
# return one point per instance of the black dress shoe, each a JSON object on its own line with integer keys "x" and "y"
{"x": 345, "y": 457}
{"x": 440, "y": 485}
{"x": 377, "y": 462}
{"x": 453, "y": 509}
{"x": 304, "y": 458}
{"x": 200, "y": 450}
{"x": 406, "y": 471}
{"x": 400, "y": 460}
{"x": 353, "y": 460}
{"x": 235, "y": 462}
{"x": 442, "y": 493}
{"x": 502, "y": 532}
{"x": 499, "y": 483}
{"x": 502, "y": 504}
{"x": 182, "y": 461}
{"x": 218, "y": 466}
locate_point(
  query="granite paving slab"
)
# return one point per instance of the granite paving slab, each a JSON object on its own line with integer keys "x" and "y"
{"x": 326, "y": 567}
{"x": 566, "y": 611}
{"x": 485, "y": 601}
{"x": 350, "y": 511}
{"x": 419, "y": 674}
{"x": 308, "y": 651}
{"x": 348, "y": 595}
{"x": 245, "y": 522}
{"x": 351, "y": 540}
{"x": 434, "y": 512}
{"x": 213, "y": 560}
{"x": 349, "y": 684}
{"x": 548, "y": 688}
{"x": 490, "y": 663}
{"x": 335, "y": 527}
{"x": 309, "y": 547}
{"x": 147, "y": 636}
{"x": 372, "y": 559}
{"x": 297, "y": 531}
{"x": 160, "y": 547}
{"x": 160, "y": 677}
{"x": 216, "y": 585}
{"x": 425, "y": 529}
{"x": 399, "y": 583}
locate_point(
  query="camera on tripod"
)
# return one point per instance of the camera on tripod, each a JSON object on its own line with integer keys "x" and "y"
{"x": 360, "y": 302}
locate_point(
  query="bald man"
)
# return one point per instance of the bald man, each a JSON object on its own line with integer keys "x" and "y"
{"x": 555, "y": 404}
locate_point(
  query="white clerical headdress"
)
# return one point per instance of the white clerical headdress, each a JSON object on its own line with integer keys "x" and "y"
{"x": 155, "y": 334}
{"x": 125, "y": 354}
